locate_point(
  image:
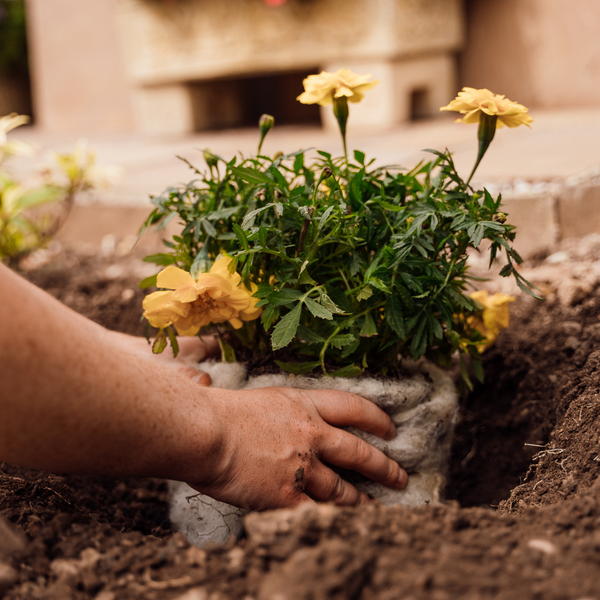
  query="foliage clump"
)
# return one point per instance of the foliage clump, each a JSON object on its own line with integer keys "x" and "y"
{"x": 355, "y": 264}
{"x": 352, "y": 264}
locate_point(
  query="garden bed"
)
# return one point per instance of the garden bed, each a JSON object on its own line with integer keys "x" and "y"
{"x": 523, "y": 518}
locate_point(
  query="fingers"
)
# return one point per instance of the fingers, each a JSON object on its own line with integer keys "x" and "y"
{"x": 325, "y": 485}
{"x": 343, "y": 409}
{"x": 345, "y": 450}
{"x": 197, "y": 376}
{"x": 195, "y": 349}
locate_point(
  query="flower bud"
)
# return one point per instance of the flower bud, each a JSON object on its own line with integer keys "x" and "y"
{"x": 500, "y": 217}
{"x": 327, "y": 172}
{"x": 210, "y": 158}
{"x": 265, "y": 124}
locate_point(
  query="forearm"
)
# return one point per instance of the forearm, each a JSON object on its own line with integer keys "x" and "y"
{"x": 71, "y": 401}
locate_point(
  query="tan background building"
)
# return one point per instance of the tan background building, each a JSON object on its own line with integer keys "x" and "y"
{"x": 183, "y": 65}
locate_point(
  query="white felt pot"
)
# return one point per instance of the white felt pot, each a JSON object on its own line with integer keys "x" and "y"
{"x": 423, "y": 406}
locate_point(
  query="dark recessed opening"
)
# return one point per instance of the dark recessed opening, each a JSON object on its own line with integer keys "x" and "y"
{"x": 239, "y": 102}
{"x": 419, "y": 104}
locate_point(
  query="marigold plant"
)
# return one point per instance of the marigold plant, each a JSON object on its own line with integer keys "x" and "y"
{"x": 24, "y": 227}
{"x": 352, "y": 264}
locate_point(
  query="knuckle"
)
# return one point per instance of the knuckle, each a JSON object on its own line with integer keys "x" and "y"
{"x": 363, "y": 452}
{"x": 334, "y": 488}
{"x": 393, "y": 471}
{"x": 355, "y": 406}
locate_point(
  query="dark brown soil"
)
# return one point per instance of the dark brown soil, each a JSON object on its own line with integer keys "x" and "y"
{"x": 523, "y": 520}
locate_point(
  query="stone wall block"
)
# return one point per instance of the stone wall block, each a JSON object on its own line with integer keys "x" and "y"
{"x": 579, "y": 210}
{"x": 534, "y": 215}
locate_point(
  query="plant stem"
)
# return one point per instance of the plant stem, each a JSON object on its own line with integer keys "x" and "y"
{"x": 340, "y": 110}
{"x": 485, "y": 135}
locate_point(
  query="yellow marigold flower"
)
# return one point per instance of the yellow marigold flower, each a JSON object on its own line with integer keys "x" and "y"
{"x": 14, "y": 147}
{"x": 495, "y": 315}
{"x": 324, "y": 87}
{"x": 471, "y": 103}
{"x": 215, "y": 297}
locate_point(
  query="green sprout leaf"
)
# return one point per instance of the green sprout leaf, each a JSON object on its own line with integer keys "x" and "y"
{"x": 348, "y": 371}
{"x": 317, "y": 310}
{"x": 285, "y": 330}
{"x": 160, "y": 342}
{"x": 298, "y": 368}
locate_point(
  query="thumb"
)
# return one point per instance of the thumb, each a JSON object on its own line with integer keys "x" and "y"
{"x": 196, "y": 375}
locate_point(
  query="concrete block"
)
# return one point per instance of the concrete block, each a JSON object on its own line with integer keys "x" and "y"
{"x": 534, "y": 216}
{"x": 90, "y": 224}
{"x": 78, "y": 77}
{"x": 164, "y": 109}
{"x": 579, "y": 210}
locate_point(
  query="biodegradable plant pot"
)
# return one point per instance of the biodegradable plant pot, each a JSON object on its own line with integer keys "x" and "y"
{"x": 422, "y": 405}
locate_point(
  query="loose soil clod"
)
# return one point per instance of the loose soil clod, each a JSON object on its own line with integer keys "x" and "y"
{"x": 528, "y": 442}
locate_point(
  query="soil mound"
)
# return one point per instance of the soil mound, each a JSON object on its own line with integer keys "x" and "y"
{"x": 523, "y": 519}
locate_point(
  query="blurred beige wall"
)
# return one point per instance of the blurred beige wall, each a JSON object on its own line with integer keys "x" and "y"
{"x": 77, "y": 73}
{"x": 141, "y": 64}
{"x": 542, "y": 53}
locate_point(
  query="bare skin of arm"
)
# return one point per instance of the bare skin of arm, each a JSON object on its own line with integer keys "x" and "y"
{"x": 77, "y": 398}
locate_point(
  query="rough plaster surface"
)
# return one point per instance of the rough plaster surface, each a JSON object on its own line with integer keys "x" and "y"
{"x": 423, "y": 407}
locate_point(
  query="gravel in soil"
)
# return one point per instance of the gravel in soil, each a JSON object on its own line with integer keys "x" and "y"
{"x": 523, "y": 519}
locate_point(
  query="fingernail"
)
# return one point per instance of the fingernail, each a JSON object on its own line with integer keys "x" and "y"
{"x": 402, "y": 479}
{"x": 391, "y": 434}
{"x": 202, "y": 379}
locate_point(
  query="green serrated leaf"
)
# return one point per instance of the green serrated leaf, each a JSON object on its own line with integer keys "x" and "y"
{"x": 369, "y": 328}
{"x": 348, "y": 371}
{"x": 160, "y": 259}
{"x": 419, "y": 341}
{"x": 297, "y": 368}
{"x": 341, "y": 340}
{"x": 148, "y": 282}
{"x": 173, "y": 339}
{"x": 232, "y": 266}
{"x": 355, "y": 264}
{"x": 477, "y": 367}
{"x": 393, "y": 315}
{"x": 285, "y": 330}
{"x": 241, "y": 235}
{"x": 269, "y": 316}
{"x": 317, "y": 310}
{"x": 388, "y": 206}
{"x": 324, "y": 217}
{"x": 227, "y": 352}
{"x": 285, "y": 296}
{"x": 160, "y": 342}
{"x": 365, "y": 293}
{"x": 348, "y": 350}
{"x": 359, "y": 157}
{"x": 201, "y": 264}
{"x": 251, "y": 215}
{"x": 310, "y": 336}
{"x": 298, "y": 163}
{"x": 377, "y": 283}
{"x": 464, "y": 373}
{"x": 252, "y": 175}
{"x": 330, "y": 305}
{"x": 209, "y": 228}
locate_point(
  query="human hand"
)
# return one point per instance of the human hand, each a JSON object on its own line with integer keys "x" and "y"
{"x": 276, "y": 443}
{"x": 192, "y": 350}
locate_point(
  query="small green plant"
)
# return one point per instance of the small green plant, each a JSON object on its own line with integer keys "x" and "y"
{"x": 23, "y": 227}
{"x": 352, "y": 264}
